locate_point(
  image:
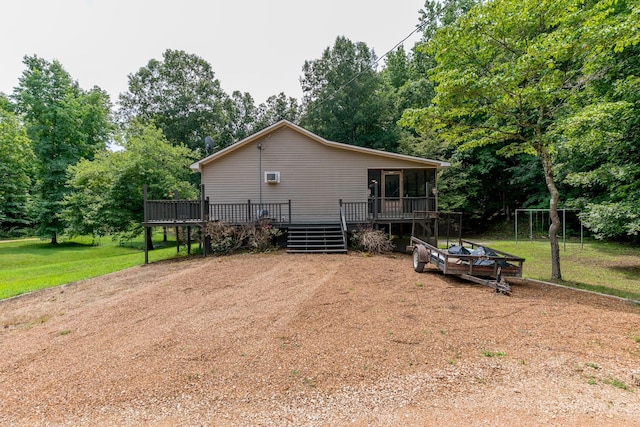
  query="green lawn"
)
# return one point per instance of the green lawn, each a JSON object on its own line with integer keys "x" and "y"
{"x": 29, "y": 265}
{"x": 603, "y": 267}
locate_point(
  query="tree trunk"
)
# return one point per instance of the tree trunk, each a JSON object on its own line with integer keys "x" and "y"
{"x": 54, "y": 238}
{"x": 547, "y": 165}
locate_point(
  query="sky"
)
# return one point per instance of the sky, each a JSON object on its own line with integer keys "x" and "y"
{"x": 253, "y": 46}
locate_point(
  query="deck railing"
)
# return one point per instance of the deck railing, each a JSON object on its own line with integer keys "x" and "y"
{"x": 240, "y": 213}
{"x": 356, "y": 212}
{"x": 193, "y": 211}
{"x": 396, "y": 208}
{"x": 173, "y": 211}
{"x": 382, "y": 208}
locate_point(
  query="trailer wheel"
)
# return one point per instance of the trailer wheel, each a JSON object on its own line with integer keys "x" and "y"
{"x": 418, "y": 266}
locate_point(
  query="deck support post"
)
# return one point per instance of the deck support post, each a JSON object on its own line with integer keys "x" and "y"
{"x": 204, "y": 217}
{"x": 189, "y": 240}
{"x": 175, "y": 218}
{"x": 145, "y": 216}
{"x": 146, "y": 251}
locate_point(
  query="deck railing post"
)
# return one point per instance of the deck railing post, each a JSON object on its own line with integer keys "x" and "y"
{"x": 144, "y": 192}
{"x": 249, "y": 216}
{"x": 289, "y": 211}
{"x": 375, "y": 200}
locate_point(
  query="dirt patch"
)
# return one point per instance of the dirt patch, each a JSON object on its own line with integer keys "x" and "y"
{"x": 282, "y": 339}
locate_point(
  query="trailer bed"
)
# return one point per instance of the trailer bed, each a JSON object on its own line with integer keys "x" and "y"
{"x": 471, "y": 261}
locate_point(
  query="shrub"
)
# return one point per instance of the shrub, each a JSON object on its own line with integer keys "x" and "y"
{"x": 261, "y": 236}
{"x": 372, "y": 241}
{"x": 227, "y": 238}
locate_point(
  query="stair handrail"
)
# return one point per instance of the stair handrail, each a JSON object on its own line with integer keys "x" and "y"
{"x": 343, "y": 223}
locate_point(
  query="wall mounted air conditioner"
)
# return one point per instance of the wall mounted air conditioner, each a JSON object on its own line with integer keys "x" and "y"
{"x": 272, "y": 177}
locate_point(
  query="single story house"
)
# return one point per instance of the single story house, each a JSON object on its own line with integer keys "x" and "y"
{"x": 285, "y": 162}
{"x": 297, "y": 179}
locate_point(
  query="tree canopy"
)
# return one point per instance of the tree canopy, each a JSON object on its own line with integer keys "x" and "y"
{"x": 181, "y": 96}
{"x": 65, "y": 124}
{"x": 107, "y": 196}
{"x": 508, "y": 71}
{"x": 16, "y": 167}
{"x": 341, "y": 100}
{"x": 534, "y": 103}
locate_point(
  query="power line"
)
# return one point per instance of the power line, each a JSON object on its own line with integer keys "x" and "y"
{"x": 418, "y": 28}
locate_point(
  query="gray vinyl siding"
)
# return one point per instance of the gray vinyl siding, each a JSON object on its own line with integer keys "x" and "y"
{"x": 312, "y": 175}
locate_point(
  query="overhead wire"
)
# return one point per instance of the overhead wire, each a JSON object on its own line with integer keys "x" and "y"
{"x": 375, "y": 63}
{"x": 419, "y": 27}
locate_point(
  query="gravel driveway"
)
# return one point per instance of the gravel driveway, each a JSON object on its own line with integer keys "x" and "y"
{"x": 314, "y": 340}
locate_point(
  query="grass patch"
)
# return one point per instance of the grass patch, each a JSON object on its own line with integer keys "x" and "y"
{"x": 493, "y": 353}
{"x": 608, "y": 268}
{"x": 30, "y": 265}
{"x": 616, "y": 383}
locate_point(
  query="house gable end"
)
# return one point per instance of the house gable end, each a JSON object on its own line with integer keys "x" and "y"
{"x": 284, "y": 124}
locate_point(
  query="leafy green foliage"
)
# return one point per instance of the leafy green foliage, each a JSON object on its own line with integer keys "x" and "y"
{"x": 181, "y": 96}
{"x": 16, "y": 168}
{"x": 341, "y": 97}
{"x": 276, "y": 108}
{"x": 107, "y": 195}
{"x": 553, "y": 86}
{"x": 599, "y": 156}
{"x": 608, "y": 219}
{"x": 65, "y": 125}
{"x": 245, "y": 119}
{"x": 240, "y": 112}
{"x": 508, "y": 72}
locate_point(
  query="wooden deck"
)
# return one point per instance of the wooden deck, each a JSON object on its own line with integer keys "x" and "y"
{"x": 198, "y": 212}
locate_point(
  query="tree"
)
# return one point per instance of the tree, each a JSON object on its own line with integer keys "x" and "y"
{"x": 107, "y": 196}
{"x": 278, "y": 107}
{"x": 65, "y": 124}
{"x": 240, "y": 113}
{"x": 599, "y": 154}
{"x": 16, "y": 167}
{"x": 181, "y": 95}
{"x": 506, "y": 73}
{"x": 341, "y": 100}
{"x": 405, "y": 83}
{"x": 437, "y": 14}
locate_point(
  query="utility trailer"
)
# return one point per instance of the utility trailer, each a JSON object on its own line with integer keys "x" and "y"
{"x": 469, "y": 260}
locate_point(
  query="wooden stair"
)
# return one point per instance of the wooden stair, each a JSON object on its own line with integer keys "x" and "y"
{"x": 316, "y": 238}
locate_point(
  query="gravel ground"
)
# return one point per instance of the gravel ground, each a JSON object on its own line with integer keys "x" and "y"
{"x": 276, "y": 339}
